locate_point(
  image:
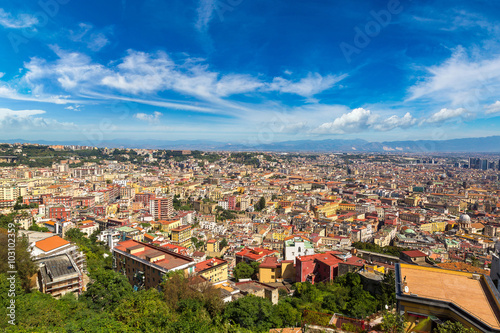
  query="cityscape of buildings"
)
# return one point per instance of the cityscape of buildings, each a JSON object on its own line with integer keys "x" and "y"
{"x": 293, "y": 217}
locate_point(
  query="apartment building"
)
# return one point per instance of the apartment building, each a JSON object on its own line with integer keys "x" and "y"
{"x": 161, "y": 208}
{"x": 59, "y": 275}
{"x": 214, "y": 270}
{"x": 181, "y": 236}
{"x": 145, "y": 265}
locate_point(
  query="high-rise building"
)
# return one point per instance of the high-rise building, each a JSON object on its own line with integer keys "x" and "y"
{"x": 474, "y": 163}
{"x": 484, "y": 164}
{"x": 161, "y": 208}
{"x": 231, "y": 203}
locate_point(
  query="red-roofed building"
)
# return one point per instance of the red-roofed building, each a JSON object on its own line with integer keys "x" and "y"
{"x": 413, "y": 256}
{"x": 323, "y": 267}
{"x": 256, "y": 254}
{"x": 214, "y": 270}
{"x": 175, "y": 248}
{"x": 145, "y": 265}
{"x": 56, "y": 245}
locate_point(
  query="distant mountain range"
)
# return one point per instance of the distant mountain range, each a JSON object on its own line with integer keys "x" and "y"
{"x": 490, "y": 144}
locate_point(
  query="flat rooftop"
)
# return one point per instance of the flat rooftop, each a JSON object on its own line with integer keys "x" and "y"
{"x": 57, "y": 267}
{"x": 472, "y": 295}
{"x": 171, "y": 260}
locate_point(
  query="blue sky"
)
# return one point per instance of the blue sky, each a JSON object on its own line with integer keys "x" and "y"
{"x": 249, "y": 71}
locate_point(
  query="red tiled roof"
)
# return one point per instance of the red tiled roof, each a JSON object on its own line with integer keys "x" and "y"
{"x": 270, "y": 262}
{"x": 414, "y": 253}
{"x": 256, "y": 253}
{"x": 210, "y": 263}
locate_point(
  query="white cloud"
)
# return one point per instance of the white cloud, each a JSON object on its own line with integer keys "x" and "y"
{"x": 86, "y": 34}
{"x": 139, "y": 77}
{"x": 71, "y": 70}
{"x": 361, "y": 119}
{"x": 75, "y": 107}
{"x": 19, "y": 22}
{"x": 461, "y": 81}
{"x": 14, "y": 120}
{"x": 1, "y": 74}
{"x": 5, "y": 113}
{"x": 14, "y": 124}
{"x": 236, "y": 84}
{"x": 493, "y": 108}
{"x": 176, "y": 105}
{"x": 97, "y": 41}
{"x": 205, "y": 13}
{"x": 150, "y": 118}
{"x": 354, "y": 121}
{"x": 308, "y": 86}
{"x": 10, "y": 93}
{"x": 446, "y": 114}
{"x": 395, "y": 122}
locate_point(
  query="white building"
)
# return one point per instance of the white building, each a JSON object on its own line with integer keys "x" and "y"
{"x": 295, "y": 246}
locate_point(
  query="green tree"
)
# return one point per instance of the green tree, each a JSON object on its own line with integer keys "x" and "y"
{"x": 285, "y": 315}
{"x": 393, "y": 323}
{"x": 453, "y": 327}
{"x": 18, "y": 204}
{"x": 144, "y": 311}
{"x": 251, "y": 312}
{"x": 106, "y": 290}
{"x": 336, "y": 302}
{"x": 386, "y": 293}
{"x": 261, "y": 204}
{"x": 35, "y": 227}
{"x": 223, "y": 243}
{"x": 243, "y": 271}
{"x": 24, "y": 266}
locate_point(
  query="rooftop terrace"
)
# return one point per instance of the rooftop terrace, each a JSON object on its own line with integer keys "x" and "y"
{"x": 477, "y": 297}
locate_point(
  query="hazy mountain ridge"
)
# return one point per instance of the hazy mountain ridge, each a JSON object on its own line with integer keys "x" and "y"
{"x": 485, "y": 144}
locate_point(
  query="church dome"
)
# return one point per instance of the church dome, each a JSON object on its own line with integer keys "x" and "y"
{"x": 464, "y": 218}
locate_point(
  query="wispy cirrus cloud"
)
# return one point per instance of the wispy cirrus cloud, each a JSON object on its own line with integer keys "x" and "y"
{"x": 5, "y": 113}
{"x": 140, "y": 74}
{"x": 7, "y": 92}
{"x": 94, "y": 39}
{"x": 205, "y": 12}
{"x": 309, "y": 86}
{"x": 7, "y": 20}
{"x": 461, "y": 80}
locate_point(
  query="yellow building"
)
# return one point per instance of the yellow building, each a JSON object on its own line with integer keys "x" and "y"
{"x": 213, "y": 246}
{"x": 181, "y": 236}
{"x": 214, "y": 270}
{"x": 434, "y": 227}
{"x": 412, "y": 201}
{"x": 281, "y": 233}
{"x": 327, "y": 209}
{"x": 347, "y": 206}
{"x": 166, "y": 225}
{"x": 270, "y": 270}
